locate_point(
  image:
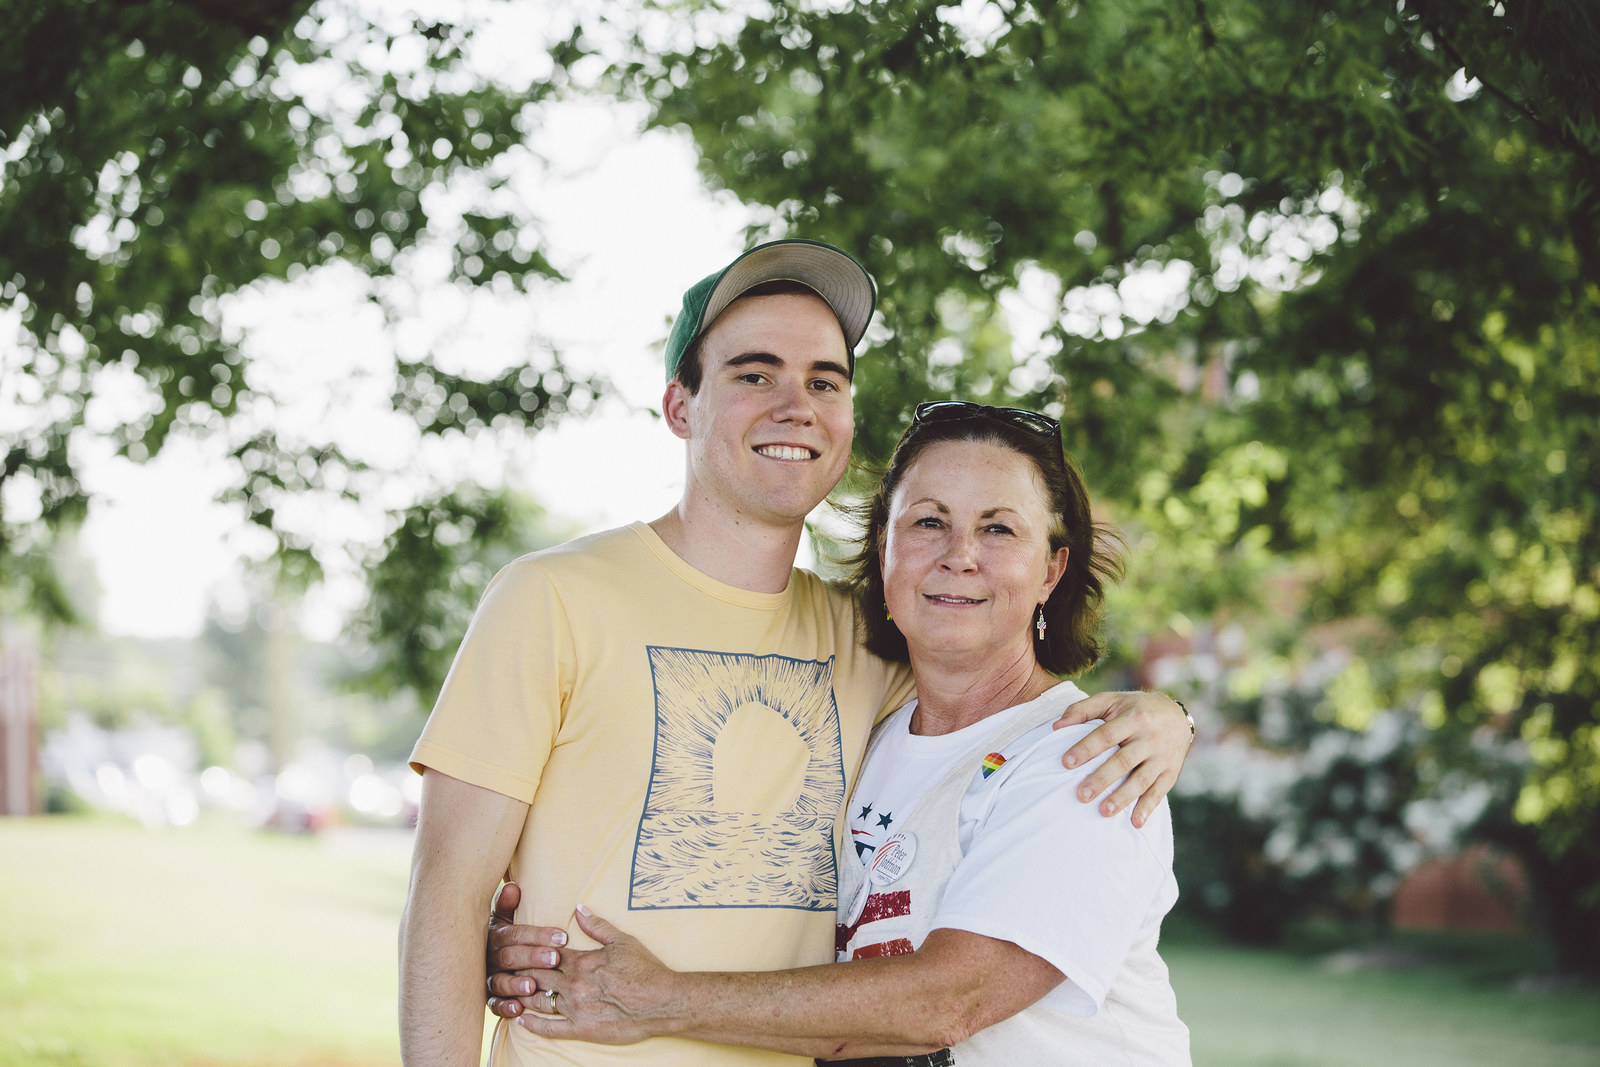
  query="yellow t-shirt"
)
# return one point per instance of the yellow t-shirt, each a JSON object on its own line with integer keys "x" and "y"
{"x": 686, "y": 748}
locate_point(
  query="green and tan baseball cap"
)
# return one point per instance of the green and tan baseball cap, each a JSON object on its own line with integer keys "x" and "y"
{"x": 831, "y": 272}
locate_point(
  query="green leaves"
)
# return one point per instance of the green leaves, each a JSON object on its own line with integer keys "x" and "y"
{"x": 161, "y": 156}
{"x": 428, "y": 576}
{"x": 1366, "y": 413}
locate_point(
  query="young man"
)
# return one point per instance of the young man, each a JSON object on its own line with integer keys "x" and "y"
{"x": 664, "y": 720}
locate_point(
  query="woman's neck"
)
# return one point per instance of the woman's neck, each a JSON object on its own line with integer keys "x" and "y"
{"x": 951, "y": 697}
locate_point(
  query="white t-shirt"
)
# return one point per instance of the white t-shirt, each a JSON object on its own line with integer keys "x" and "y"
{"x": 1040, "y": 868}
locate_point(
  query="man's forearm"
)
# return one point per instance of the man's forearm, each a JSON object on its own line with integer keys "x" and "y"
{"x": 441, "y": 975}
{"x": 465, "y": 837}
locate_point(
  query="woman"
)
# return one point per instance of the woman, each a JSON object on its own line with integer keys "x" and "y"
{"x": 972, "y": 923}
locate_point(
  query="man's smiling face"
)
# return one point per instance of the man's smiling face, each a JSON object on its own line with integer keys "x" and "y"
{"x": 770, "y": 427}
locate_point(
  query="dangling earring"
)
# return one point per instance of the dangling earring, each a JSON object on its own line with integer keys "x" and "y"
{"x": 886, "y": 612}
{"x": 1039, "y": 623}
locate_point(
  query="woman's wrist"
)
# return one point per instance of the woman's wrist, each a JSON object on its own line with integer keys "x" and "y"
{"x": 678, "y": 992}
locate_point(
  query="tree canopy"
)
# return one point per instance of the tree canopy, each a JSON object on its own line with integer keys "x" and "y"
{"x": 1322, "y": 289}
{"x": 1314, "y": 288}
{"x": 159, "y": 157}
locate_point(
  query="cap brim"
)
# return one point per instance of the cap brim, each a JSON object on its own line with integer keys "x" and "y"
{"x": 838, "y": 279}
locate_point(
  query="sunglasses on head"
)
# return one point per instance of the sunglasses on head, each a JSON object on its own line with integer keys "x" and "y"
{"x": 956, "y": 410}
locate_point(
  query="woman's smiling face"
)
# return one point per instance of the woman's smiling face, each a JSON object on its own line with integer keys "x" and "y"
{"x": 966, "y": 554}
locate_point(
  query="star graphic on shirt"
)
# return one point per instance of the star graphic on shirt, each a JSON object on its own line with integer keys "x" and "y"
{"x": 885, "y": 819}
{"x": 865, "y": 812}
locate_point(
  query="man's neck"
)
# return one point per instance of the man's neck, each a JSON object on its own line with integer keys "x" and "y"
{"x": 746, "y": 555}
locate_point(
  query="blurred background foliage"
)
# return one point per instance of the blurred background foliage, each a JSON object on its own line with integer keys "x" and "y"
{"x": 162, "y": 156}
{"x": 1319, "y": 287}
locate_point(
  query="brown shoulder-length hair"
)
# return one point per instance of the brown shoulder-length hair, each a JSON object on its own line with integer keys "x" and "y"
{"x": 1071, "y": 643}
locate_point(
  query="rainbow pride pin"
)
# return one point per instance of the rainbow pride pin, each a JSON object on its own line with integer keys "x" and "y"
{"x": 991, "y": 763}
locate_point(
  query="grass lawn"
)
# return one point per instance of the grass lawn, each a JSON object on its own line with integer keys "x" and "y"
{"x": 213, "y": 946}
{"x": 1255, "y": 1008}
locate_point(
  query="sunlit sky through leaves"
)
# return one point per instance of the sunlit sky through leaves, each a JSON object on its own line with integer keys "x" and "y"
{"x": 622, "y": 213}
{"x": 625, "y": 217}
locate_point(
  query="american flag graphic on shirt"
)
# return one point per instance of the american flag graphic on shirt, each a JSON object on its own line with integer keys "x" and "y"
{"x": 888, "y": 904}
{"x": 869, "y": 829}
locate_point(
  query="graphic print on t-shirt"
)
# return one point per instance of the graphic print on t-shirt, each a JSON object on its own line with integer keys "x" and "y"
{"x": 870, "y": 830}
{"x": 747, "y": 778}
{"x": 866, "y": 829}
{"x": 882, "y": 905}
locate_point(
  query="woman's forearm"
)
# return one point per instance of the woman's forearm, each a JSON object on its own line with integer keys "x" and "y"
{"x": 954, "y": 985}
{"x": 889, "y": 1007}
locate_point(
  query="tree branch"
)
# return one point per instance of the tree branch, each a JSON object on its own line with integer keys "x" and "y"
{"x": 1208, "y": 36}
{"x": 1552, "y": 133}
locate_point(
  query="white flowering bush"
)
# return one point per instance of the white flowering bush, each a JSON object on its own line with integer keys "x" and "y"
{"x": 1283, "y": 813}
